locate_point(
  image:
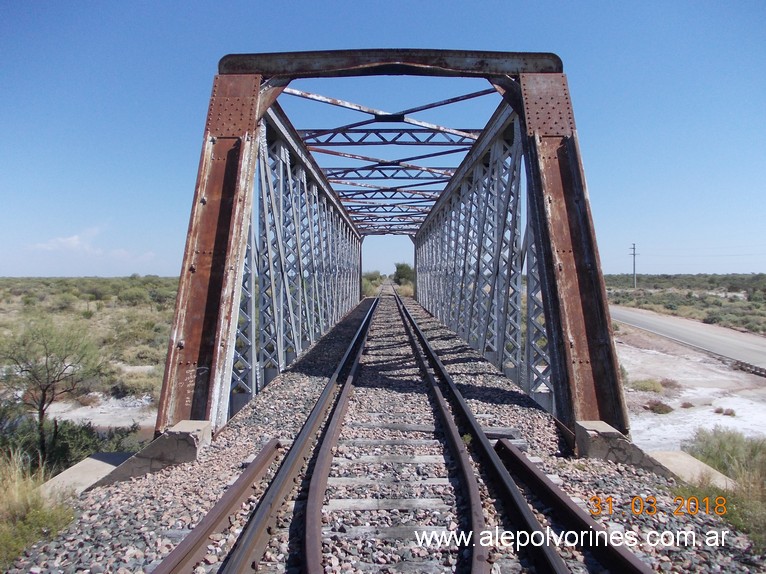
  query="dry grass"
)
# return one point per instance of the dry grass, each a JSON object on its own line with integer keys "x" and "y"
{"x": 744, "y": 460}
{"x": 743, "y": 308}
{"x": 646, "y": 385}
{"x": 24, "y": 515}
{"x": 406, "y": 289}
{"x": 128, "y": 318}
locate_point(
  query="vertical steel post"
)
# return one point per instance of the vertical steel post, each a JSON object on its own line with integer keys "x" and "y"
{"x": 585, "y": 372}
{"x": 201, "y": 349}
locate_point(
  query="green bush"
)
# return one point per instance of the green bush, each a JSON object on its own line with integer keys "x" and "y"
{"x": 373, "y": 276}
{"x": 134, "y": 296}
{"x": 65, "y": 302}
{"x": 728, "y": 450}
{"x": 712, "y": 318}
{"x": 743, "y": 459}
{"x": 368, "y": 289}
{"x": 404, "y": 272}
{"x": 68, "y": 442}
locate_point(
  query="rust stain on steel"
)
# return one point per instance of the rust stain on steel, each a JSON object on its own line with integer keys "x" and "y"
{"x": 547, "y": 105}
{"x": 204, "y": 309}
{"x": 576, "y": 313}
{"x": 390, "y": 62}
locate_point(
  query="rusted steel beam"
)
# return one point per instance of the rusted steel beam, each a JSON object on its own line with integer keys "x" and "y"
{"x": 390, "y": 62}
{"x": 380, "y": 115}
{"x": 200, "y": 353}
{"x": 583, "y": 359}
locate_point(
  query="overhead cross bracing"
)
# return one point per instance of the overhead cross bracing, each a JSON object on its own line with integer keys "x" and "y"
{"x": 286, "y": 195}
{"x": 388, "y": 167}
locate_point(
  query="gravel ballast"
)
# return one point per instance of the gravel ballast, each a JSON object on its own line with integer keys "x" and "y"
{"x": 128, "y": 527}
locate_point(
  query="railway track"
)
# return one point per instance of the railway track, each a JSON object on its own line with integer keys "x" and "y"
{"x": 391, "y": 456}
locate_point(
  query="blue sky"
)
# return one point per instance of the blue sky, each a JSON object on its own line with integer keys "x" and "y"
{"x": 102, "y": 106}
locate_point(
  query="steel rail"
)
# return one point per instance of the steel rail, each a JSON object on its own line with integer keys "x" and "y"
{"x": 312, "y": 538}
{"x": 615, "y": 557}
{"x": 545, "y": 556}
{"x": 192, "y": 549}
{"x": 252, "y": 542}
{"x": 312, "y": 549}
{"x": 479, "y": 555}
{"x": 506, "y": 456}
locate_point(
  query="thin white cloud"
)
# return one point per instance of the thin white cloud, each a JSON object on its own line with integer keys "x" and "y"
{"x": 79, "y": 243}
{"x": 88, "y": 253}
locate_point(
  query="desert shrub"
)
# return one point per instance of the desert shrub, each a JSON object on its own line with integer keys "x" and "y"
{"x": 727, "y": 450}
{"x": 78, "y": 441}
{"x": 729, "y": 413}
{"x": 373, "y": 276}
{"x": 371, "y": 282}
{"x": 658, "y": 407}
{"x": 138, "y": 384}
{"x": 743, "y": 459}
{"x": 624, "y": 375}
{"x": 712, "y": 318}
{"x": 647, "y": 385}
{"x": 132, "y": 330}
{"x": 144, "y": 355}
{"x": 368, "y": 289}
{"x": 686, "y": 405}
{"x": 163, "y": 296}
{"x": 404, "y": 273}
{"x": 133, "y": 296}
{"x": 757, "y": 296}
{"x": 669, "y": 384}
{"x": 65, "y": 302}
{"x": 73, "y": 441}
{"x": 406, "y": 289}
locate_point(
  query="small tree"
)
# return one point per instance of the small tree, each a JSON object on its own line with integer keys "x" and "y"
{"x": 45, "y": 362}
{"x": 404, "y": 272}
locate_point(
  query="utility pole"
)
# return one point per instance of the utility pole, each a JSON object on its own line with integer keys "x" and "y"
{"x": 634, "y": 265}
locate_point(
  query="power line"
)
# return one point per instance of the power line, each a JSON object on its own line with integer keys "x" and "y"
{"x": 634, "y": 265}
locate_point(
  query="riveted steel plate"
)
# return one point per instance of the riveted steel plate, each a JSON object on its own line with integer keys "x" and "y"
{"x": 547, "y": 106}
{"x": 231, "y": 115}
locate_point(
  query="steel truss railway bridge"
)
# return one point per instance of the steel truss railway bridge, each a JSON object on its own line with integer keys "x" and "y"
{"x": 505, "y": 251}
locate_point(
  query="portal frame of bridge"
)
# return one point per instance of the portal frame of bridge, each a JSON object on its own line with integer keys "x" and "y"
{"x": 304, "y": 253}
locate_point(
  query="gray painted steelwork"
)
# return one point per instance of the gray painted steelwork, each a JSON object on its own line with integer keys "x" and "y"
{"x": 273, "y": 255}
{"x": 470, "y": 257}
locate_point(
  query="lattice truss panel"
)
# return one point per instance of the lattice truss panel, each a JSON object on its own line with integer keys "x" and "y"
{"x": 304, "y": 258}
{"x": 505, "y": 251}
{"x": 470, "y": 258}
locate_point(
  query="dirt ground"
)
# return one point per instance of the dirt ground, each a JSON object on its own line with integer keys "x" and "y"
{"x": 705, "y": 382}
{"x": 107, "y": 411}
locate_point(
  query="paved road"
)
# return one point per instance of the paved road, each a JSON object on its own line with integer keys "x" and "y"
{"x": 727, "y": 342}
